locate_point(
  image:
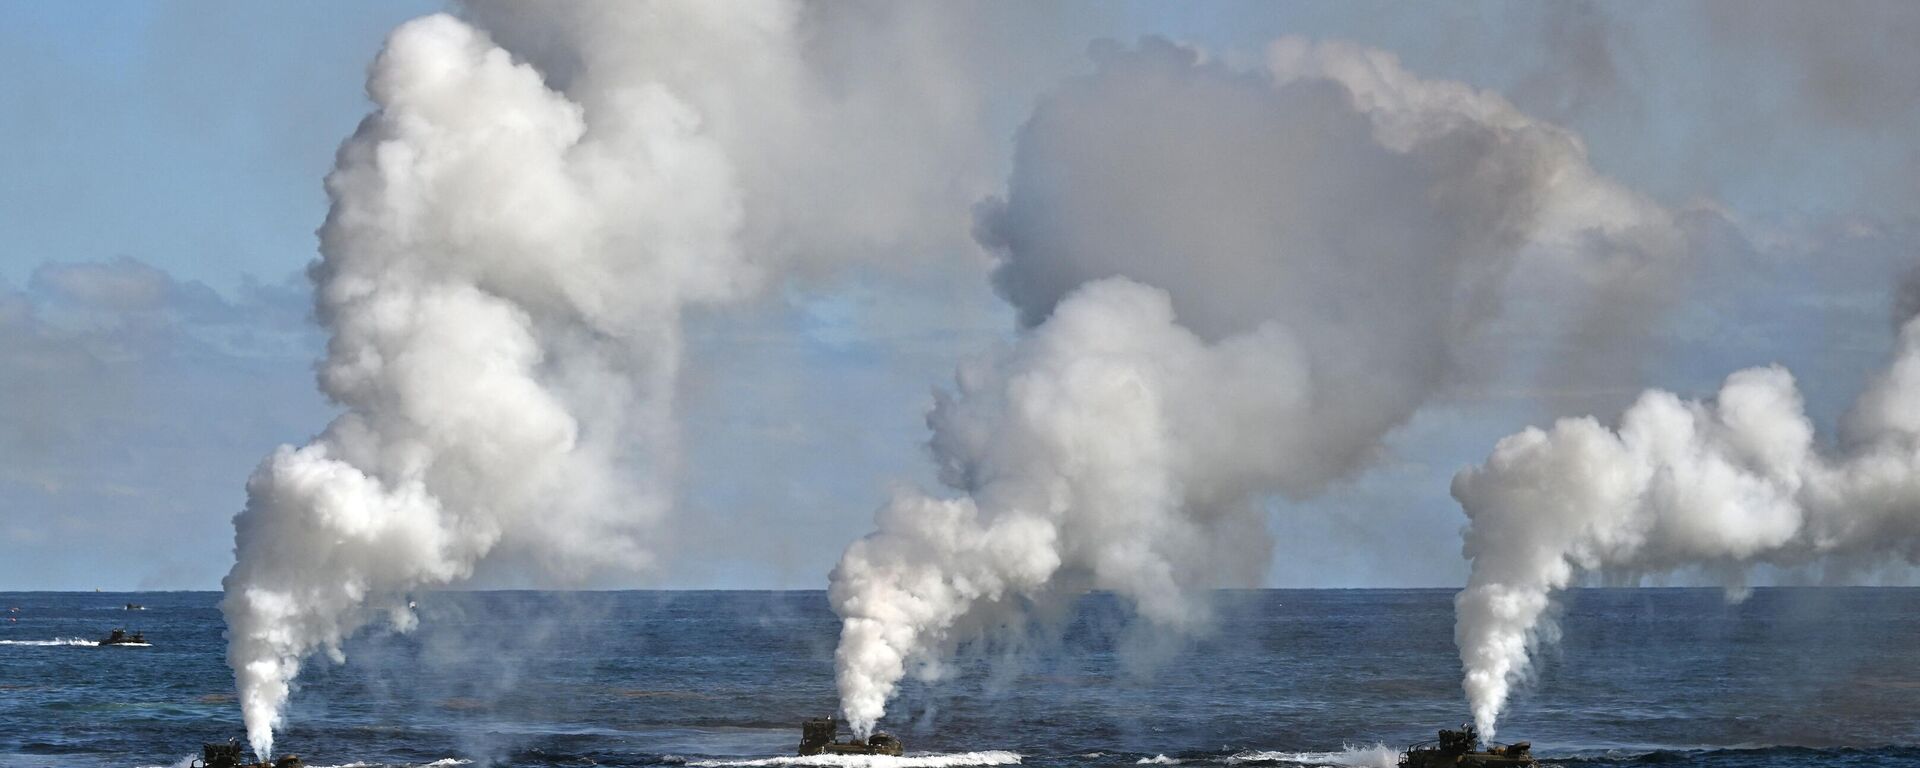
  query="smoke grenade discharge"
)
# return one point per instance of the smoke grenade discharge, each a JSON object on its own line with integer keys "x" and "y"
{"x": 503, "y": 272}
{"x": 1718, "y": 486}
{"x": 1232, "y": 285}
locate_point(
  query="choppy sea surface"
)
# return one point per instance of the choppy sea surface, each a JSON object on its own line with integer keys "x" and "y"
{"x": 1789, "y": 677}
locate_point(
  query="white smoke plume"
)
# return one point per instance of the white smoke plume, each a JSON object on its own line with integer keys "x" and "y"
{"x": 1717, "y": 486}
{"x": 516, "y": 233}
{"x": 1233, "y": 284}
{"x": 841, "y": 156}
{"x": 503, "y": 272}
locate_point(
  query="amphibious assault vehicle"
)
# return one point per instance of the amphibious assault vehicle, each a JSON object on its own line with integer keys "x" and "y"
{"x": 817, "y": 738}
{"x": 120, "y": 637}
{"x": 227, "y": 755}
{"x": 1457, "y": 749}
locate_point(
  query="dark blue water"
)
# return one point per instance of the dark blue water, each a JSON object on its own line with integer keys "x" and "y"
{"x": 1791, "y": 677}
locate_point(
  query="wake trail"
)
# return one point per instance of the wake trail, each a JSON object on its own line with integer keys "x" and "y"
{"x": 1376, "y": 756}
{"x": 950, "y": 760}
{"x": 73, "y": 641}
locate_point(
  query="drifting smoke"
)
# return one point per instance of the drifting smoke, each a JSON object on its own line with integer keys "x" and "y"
{"x": 515, "y": 235}
{"x": 503, "y": 274}
{"x": 1719, "y": 486}
{"x": 1233, "y": 285}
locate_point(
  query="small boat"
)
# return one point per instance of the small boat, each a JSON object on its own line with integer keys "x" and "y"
{"x": 817, "y": 738}
{"x": 120, "y": 637}
{"x": 135, "y": 607}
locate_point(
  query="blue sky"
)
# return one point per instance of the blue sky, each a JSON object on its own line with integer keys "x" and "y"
{"x": 179, "y": 148}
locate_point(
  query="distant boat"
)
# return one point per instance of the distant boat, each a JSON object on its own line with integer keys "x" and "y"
{"x": 120, "y": 637}
{"x": 135, "y": 607}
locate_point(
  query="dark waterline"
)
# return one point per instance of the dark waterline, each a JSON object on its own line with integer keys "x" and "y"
{"x": 1790, "y": 677}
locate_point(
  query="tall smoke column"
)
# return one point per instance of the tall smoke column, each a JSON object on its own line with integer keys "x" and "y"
{"x": 503, "y": 272}
{"x": 1718, "y": 486}
{"x": 1231, "y": 285}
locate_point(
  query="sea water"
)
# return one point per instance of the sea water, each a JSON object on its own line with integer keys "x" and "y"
{"x": 1788, "y": 677}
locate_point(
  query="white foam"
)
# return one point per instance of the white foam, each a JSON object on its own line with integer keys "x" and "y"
{"x": 1376, "y": 756}
{"x": 55, "y": 641}
{"x": 951, "y": 760}
{"x": 1157, "y": 760}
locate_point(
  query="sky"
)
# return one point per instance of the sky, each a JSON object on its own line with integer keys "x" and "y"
{"x": 160, "y": 192}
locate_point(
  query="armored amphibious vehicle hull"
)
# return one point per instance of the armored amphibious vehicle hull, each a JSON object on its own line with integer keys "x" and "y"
{"x": 227, "y": 755}
{"x": 1458, "y": 749}
{"x": 120, "y": 637}
{"x": 817, "y": 737}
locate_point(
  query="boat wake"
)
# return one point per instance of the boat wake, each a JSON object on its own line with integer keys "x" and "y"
{"x": 58, "y": 641}
{"x": 950, "y": 760}
{"x": 446, "y": 762}
{"x": 1376, "y": 756}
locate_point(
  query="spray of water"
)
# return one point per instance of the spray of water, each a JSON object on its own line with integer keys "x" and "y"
{"x": 1232, "y": 284}
{"x": 1716, "y": 486}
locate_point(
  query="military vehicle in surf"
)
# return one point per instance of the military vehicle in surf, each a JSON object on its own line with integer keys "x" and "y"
{"x": 817, "y": 738}
{"x": 1459, "y": 749}
{"x": 227, "y": 755}
{"x": 120, "y": 637}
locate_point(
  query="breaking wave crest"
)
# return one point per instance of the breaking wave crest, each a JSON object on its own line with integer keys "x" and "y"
{"x": 60, "y": 641}
{"x": 445, "y": 762}
{"x": 1376, "y": 756}
{"x": 950, "y": 760}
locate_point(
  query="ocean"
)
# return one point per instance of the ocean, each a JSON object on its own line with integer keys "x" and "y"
{"x": 1677, "y": 677}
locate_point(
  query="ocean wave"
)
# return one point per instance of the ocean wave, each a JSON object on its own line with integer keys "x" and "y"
{"x": 184, "y": 762}
{"x": 1750, "y": 753}
{"x": 445, "y": 762}
{"x": 1157, "y": 760}
{"x": 950, "y": 760}
{"x": 1376, "y": 756}
{"x": 55, "y": 641}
